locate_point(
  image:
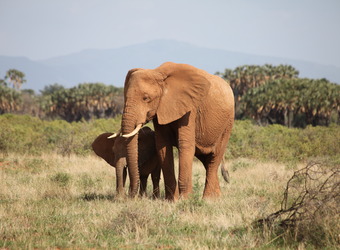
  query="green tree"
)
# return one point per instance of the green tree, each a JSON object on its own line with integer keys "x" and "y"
{"x": 50, "y": 89}
{"x": 10, "y": 100}
{"x": 15, "y": 77}
{"x": 85, "y": 101}
{"x": 245, "y": 77}
{"x": 3, "y": 82}
{"x": 293, "y": 102}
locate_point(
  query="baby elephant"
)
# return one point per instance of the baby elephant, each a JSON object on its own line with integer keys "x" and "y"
{"x": 113, "y": 151}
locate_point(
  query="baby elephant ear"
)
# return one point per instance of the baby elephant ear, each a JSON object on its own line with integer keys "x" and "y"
{"x": 184, "y": 88}
{"x": 103, "y": 147}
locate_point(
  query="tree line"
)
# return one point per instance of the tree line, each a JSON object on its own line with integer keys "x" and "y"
{"x": 267, "y": 94}
{"x": 276, "y": 95}
{"x": 85, "y": 101}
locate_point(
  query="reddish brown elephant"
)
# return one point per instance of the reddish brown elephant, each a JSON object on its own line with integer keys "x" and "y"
{"x": 113, "y": 151}
{"x": 192, "y": 110}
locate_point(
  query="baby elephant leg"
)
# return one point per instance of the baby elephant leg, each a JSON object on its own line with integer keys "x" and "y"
{"x": 143, "y": 183}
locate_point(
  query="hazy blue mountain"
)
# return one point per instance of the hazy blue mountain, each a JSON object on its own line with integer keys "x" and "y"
{"x": 110, "y": 66}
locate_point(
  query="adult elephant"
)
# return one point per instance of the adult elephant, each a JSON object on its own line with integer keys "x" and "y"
{"x": 192, "y": 110}
{"x": 113, "y": 151}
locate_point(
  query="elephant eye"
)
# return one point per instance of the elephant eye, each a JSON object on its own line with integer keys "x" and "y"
{"x": 146, "y": 98}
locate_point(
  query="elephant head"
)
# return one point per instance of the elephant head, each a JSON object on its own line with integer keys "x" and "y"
{"x": 113, "y": 152}
{"x": 166, "y": 93}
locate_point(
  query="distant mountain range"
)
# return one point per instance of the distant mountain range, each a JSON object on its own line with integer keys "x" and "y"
{"x": 111, "y": 65}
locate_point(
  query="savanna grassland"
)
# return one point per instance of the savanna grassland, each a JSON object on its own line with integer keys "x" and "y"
{"x": 54, "y": 193}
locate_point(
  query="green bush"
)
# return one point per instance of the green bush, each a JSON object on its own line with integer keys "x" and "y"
{"x": 24, "y": 134}
{"x": 29, "y": 135}
{"x": 279, "y": 143}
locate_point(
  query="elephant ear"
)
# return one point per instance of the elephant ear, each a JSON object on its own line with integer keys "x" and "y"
{"x": 102, "y": 146}
{"x": 184, "y": 88}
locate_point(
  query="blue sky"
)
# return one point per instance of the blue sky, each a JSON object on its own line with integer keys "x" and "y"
{"x": 297, "y": 29}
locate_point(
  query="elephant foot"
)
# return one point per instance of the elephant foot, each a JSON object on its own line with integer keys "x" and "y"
{"x": 170, "y": 196}
{"x": 211, "y": 193}
{"x": 120, "y": 197}
{"x": 171, "y": 191}
{"x": 120, "y": 194}
{"x": 155, "y": 193}
{"x": 142, "y": 192}
{"x": 185, "y": 195}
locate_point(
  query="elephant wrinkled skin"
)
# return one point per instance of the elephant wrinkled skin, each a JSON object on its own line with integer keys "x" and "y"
{"x": 192, "y": 110}
{"x": 113, "y": 151}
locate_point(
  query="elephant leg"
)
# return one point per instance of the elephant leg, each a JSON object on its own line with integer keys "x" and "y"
{"x": 186, "y": 152}
{"x": 124, "y": 175}
{"x": 155, "y": 176}
{"x": 211, "y": 164}
{"x": 166, "y": 159}
{"x": 167, "y": 163}
{"x": 143, "y": 183}
{"x": 212, "y": 186}
{"x": 120, "y": 180}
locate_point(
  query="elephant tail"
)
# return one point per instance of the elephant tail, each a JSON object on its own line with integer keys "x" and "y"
{"x": 225, "y": 172}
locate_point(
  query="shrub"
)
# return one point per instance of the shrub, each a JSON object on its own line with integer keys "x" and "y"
{"x": 279, "y": 143}
{"x": 310, "y": 207}
{"x": 30, "y": 135}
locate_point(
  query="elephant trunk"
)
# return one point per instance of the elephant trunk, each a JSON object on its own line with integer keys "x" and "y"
{"x": 131, "y": 154}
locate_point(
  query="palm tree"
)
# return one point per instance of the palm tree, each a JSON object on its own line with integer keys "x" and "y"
{"x": 282, "y": 101}
{"x": 246, "y": 77}
{"x": 3, "y": 82}
{"x": 85, "y": 101}
{"x": 15, "y": 77}
{"x": 10, "y": 100}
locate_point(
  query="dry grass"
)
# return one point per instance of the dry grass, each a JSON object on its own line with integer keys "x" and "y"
{"x": 310, "y": 207}
{"x": 69, "y": 202}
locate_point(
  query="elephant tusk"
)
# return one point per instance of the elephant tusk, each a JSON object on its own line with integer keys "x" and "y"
{"x": 112, "y": 136}
{"x": 115, "y": 134}
{"x": 135, "y": 131}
